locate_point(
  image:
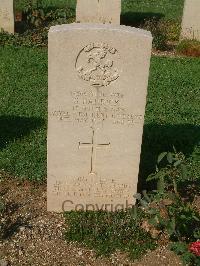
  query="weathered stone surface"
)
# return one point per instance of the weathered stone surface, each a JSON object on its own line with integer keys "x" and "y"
{"x": 98, "y": 11}
{"x": 97, "y": 97}
{"x": 191, "y": 20}
{"x": 7, "y": 16}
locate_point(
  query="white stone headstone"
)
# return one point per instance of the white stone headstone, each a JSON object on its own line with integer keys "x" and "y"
{"x": 7, "y": 16}
{"x": 97, "y": 96}
{"x": 98, "y": 11}
{"x": 191, "y": 20}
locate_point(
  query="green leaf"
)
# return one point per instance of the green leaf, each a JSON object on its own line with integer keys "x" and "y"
{"x": 177, "y": 163}
{"x": 183, "y": 171}
{"x": 197, "y": 234}
{"x": 174, "y": 149}
{"x": 179, "y": 247}
{"x": 153, "y": 221}
{"x": 144, "y": 203}
{"x": 32, "y": 20}
{"x": 170, "y": 157}
{"x": 196, "y": 218}
{"x": 161, "y": 157}
{"x": 153, "y": 211}
{"x": 137, "y": 196}
{"x": 42, "y": 12}
{"x": 157, "y": 169}
{"x": 153, "y": 177}
{"x": 171, "y": 227}
{"x": 161, "y": 183}
{"x": 147, "y": 198}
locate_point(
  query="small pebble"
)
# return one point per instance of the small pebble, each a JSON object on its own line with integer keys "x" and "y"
{"x": 80, "y": 253}
{"x": 22, "y": 228}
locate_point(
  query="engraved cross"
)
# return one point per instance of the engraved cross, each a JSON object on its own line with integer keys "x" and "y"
{"x": 93, "y": 146}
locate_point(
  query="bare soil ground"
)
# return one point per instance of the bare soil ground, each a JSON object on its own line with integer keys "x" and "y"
{"x": 34, "y": 237}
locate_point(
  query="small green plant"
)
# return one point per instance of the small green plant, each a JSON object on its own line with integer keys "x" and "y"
{"x": 184, "y": 251}
{"x": 38, "y": 16}
{"x": 170, "y": 214}
{"x": 189, "y": 48}
{"x": 181, "y": 221}
{"x": 165, "y": 32}
{"x": 167, "y": 211}
{"x": 172, "y": 29}
{"x": 170, "y": 171}
{"x": 106, "y": 232}
{"x": 34, "y": 12}
{"x": 159, "y": 35}
{"x": 186, "y": 221}
{"x": 31, "y": 38}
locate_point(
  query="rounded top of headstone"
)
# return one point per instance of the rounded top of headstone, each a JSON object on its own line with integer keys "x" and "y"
{"x": 108, "y": 27}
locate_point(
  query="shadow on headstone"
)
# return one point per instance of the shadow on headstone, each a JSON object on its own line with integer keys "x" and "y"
{"x": 136, "y": 19}
{"x": 160, "y": 138}
{"x": 16, "y": 127}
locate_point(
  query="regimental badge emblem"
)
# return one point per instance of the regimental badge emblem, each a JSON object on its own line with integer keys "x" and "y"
{"x": 97, "y": 64}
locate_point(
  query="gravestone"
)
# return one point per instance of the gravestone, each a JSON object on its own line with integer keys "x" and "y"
{"x": 97, "y": 96}
{"x": 98, "y": 11}
{"x": 7, "y": 16}
{"x": 191, "y": 20}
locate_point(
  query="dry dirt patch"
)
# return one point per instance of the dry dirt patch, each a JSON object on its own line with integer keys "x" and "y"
{"x": 35, "y": 237}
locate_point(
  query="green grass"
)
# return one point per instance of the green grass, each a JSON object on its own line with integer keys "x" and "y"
{"x": 169, "y": 9}
{"x": 172, "y": 113}
{"x": 21, "y": 4}
{"x": 23, "y": 111}
{"x": 107, "y": 232}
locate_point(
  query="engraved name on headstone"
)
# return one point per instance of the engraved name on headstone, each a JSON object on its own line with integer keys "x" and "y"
{"x": 97, "y": 96}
